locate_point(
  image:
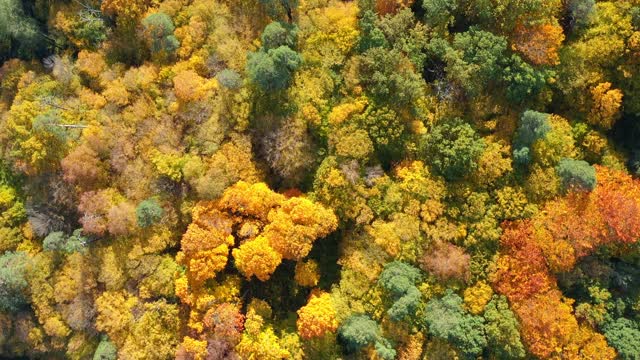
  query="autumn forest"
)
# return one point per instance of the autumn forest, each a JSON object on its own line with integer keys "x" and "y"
{"x": 319, "y": 179}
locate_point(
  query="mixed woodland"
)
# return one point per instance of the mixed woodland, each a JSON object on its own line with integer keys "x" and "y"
{"x": 320, "y": 179}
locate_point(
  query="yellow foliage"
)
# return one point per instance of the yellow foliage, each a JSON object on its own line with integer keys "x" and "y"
{"x": 117, "y": 93}
{"x": 494, "y": 163}
{"x": 296, "y": 224}
{"x": 318, "y": 317}
{"x": 307, "y": 273}
{"x": 55, "y": 327}
{"x": 189, "y": 86}
{"x": 606, "y": 106}
{"x": 557, "y": 144}
{"x": 131, "y": 9}
{"x": 257, "y": 257}
{"x": 91, "y": 63}
{"x": 477, "y": 297}
{"x": 169, "y": 165}
{"x": 512, "y": 202}
{"x": 250, "y": 200}
{"x": 384, "y": 235}
{"x": 542, "y": 183}
{"x": 341, "y": 113}
{"x": 114, "y": 314}
{"x": 329, "y": 33}
{"x": 195, "y": 348}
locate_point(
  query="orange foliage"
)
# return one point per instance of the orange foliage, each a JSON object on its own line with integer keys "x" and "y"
{"x": 567, "y": 229}
{"x": 384, "y": 7}
{"x": 205, "y": 245}
{"x": 226, "y": 321}
{"x": 539, "y": 44}
{"x": 521, "y": 271}
{"x": 617, "y": 198}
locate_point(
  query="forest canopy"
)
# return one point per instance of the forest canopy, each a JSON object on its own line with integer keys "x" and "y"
{"x": 320, "y": 179}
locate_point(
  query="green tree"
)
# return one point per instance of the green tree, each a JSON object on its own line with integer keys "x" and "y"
{"x": 389, "y": 78}
{"x": 359, "y": 331}
{"x": 148, "y": 213}
{"x": 20, "y": 35}
{"x": 502, "y": 329}
{"x": 439, "y": 13}
{"x": 280, "y": 9}
{"x": 158, "y": 31}
{"x": 576, "y": 174}
{"x": 58, "y": 241}
{"x": 447, "y": 320}
{"x": 13, "y": 285}
{"x": 533, "y": 126}
{"x": 452, "y": 148}
{"x": 482, "y": 54}
{"x": 399, "y": 279}
{"x": 579, "y": 13}
{"x": 106, "y": 350}
{"x": 371, "y": 35}
{"x": 523, "y": 81}
{"x": 272, "y": 70}
{"x": 624, "y": 335}
{"x": 278, "y": 34}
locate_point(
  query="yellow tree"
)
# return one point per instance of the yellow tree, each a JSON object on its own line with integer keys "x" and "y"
{"x": 605, "y": 109}
{"x": 296, "y": 224}
{"x": 318, "y": 317}
{"x": 257, "y": 257}
{"x": 205, "y": 245}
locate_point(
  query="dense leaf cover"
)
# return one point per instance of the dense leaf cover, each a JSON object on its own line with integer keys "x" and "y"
{"x": 320, "y": 179}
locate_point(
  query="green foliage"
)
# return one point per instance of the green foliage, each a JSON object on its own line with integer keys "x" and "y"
{"x": 106, "y": 350}
{"x": 20, "y": 35}
{"x": 481, "y": 56}
{"x": 452, "y": 148}
{"x": 446, "y": 319}
{"x": 278, "y": 34}
{"x": 371, "y": 35}
{"x": 624, "y": 335}
{"x": 359, "y": 331}
{"x": 272, "y": 70}
{"x": 523, "y": 81}
{"x": 399, "y": 279}
{"x": 91, "y": 28}
{"x": 148, "y": 213}
{"x": 229, "y": 79}
{"x": 58, "y": 241}
{"x": 389, "y": 78}
{"x": 576, "y": 174}
{"x": 439, "y": 13}
{"x": 159, "y": 34}
{"x": 403, "y": 32}
{"x": 533, "y": 126}
{"x": 13, "y": 284}
{"x": 280, "y": 9}
{"x": 502, "y": 329}
{"x": 580, "y": 12}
